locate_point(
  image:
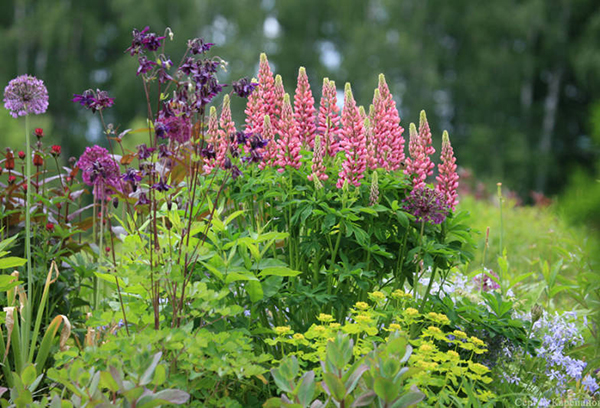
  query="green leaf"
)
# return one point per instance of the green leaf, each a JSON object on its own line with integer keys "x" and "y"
{"x": 147, "y": 376}
{"x": 335, "y": 385}
{"x": 240, "y": 276}
{"x": 385, "y": 389}
{"x": 111, "y": 279}
{"x": 7, "y": 282}
{"x": 279, "y": 271}
{"x": 413, "y": 397}
{"x": 12, "y": 262}
{"x": 306, "y": 389}
{"x": 255, "y": 291}
{"x": 28, "y": 375}
{"x": 107, "y": 381}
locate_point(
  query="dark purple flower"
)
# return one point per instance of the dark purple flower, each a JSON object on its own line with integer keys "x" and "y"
{"x": 145, "y": 65}
{"x": 188, "y": 66}
{"x": 208, "y": 152}
{"x": 95, "y": 101}
{"x": 427, "y": 204}
{"x": 163, "y": 151}
{"x": 235, "y": 171}
{"x": 244, "y": 87}
{"x": 256, "y": 142}
{"x": 86, "y": 99}
{"x": 198, "y": 46}
{"x": 240, "y": 137}
{"x": 143, "y": 199}
{"x": 24, "y": 95}
{"x": 161, "y": 129}
{"x": 142, "y": 40}
{"x": 131, "y": 176}
{"x": 99, "y": 170}
{"x": 144, "y": 151}
{"x": 254, "y": 157}
{"x": 161, "y": 186}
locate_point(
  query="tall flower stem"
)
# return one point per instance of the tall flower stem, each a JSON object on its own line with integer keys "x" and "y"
{"x": 27, "y": 323}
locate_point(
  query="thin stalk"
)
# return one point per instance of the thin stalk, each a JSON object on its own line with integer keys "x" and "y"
{"x": 28, "y": 315}
{"x": 416, "y": 277}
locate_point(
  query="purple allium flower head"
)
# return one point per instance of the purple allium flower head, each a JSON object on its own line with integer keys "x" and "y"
{"x": 24, "y": 95}
{"x": 427, "y": 205}
{"x": 244, "y": 87}
{"x": 99, "y": 170}
{"x": 143, "y": 40}
{"x": 95, "y": 101}
{"x": 198, "y": 46}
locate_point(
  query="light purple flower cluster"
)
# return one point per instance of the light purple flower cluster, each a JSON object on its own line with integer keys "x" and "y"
{"x": 176, "y": 127}
{"x": 24, "y": 95}
{"x": 561, "y": 333}
{"x": 99, "y": 170}
{"x": 427, "y": 205}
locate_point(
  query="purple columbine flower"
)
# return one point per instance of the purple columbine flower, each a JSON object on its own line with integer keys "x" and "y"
{"x": 24, "y": 95}
{"x": 164, "y": 152}
{"x": 144, "y": 152}
{"x": 95, "y": 101}
{"x": 161, "y": 186}
{"x": 427, "y": 205}
{"x": 177, "y": 127}
{"x": 198, "y": 46}
{"x": 145, "y": 65}
{"x": 208, "y": 152}
{"x": 143, "y": 40}
{"x": 131, "y": 176}
{"x": 143, "y": 199}
{"x": 244, "y": 87}
{"x": 256, "y": 142}
{"x": 235, "y": 171}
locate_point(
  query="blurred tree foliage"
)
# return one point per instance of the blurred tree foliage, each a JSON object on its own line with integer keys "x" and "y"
{"x": 513, "y": 81}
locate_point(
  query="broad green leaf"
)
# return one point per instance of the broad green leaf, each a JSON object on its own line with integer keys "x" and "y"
{"x": 12, "y": 262}
{"x": 111, "y": 278}
{"x": 28, "y": 375}
{"x": 335, "y": 385}
{"x": 240, "y": 276}
{"x": 386, "y": 389}
{"x": 149, "y": 373}
{"x": 279, "y": 271}
{"x": 255, "y": 291}
{"x": 7, "y": 282}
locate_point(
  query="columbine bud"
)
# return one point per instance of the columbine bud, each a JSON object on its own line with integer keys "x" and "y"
{"x": 49, "y": 227}
{"x": 536, "y": 313}
{"x": 39, "y": 133}
{"x": 55, "y": 150}
{"x": 21, "y": 154}
{"x": 11, "y": 179}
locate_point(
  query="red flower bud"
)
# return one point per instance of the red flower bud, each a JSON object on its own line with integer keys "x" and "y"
{"x": 107, "y": 249}
{"x": 10, "y": 160}
{"x": 25, "y": 187}
{"x": 37, "y": 160}
{"x": 39, "y": 132}
{"x": 11, "y": 179}
{"x": 50, "y": 227}
{"x": 21, "y": 154}
{"x": 55, "y": 150}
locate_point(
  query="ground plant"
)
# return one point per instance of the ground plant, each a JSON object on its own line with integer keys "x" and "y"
{"x": 304, "y": 258}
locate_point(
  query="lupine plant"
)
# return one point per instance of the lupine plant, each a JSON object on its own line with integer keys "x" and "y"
{"x": 303, "y": 251}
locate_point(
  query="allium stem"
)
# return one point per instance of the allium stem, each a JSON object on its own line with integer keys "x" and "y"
{"x": 28, "y": 159}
